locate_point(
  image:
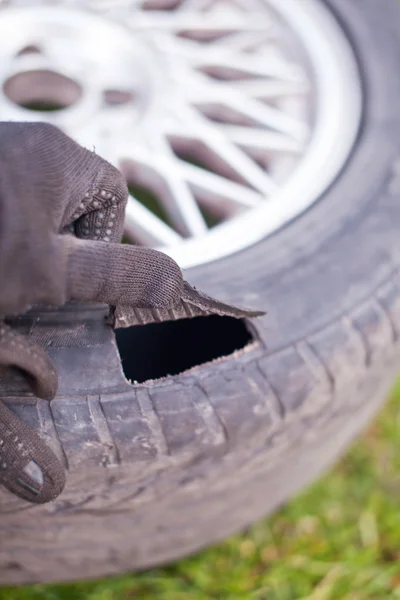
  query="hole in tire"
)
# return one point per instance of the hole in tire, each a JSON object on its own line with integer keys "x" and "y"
{"x": 42, "y": 90}
{"x": 160, "y": 349}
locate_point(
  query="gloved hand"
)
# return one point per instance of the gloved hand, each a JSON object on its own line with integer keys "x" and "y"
{"x": 58, "y": 201}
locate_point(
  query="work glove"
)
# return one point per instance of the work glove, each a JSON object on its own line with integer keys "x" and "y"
{"x": 61, "y": 222}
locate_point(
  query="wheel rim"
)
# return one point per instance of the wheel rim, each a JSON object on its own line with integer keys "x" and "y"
{"x": 228, "y": 118}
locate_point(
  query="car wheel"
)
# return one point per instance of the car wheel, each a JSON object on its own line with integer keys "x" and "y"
{"x": 261, "y": 142}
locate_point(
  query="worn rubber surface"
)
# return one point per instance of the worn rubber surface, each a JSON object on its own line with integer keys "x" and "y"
{"x": 158, "y": 470}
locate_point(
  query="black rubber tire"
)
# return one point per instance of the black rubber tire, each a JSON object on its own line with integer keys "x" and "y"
{"x": 199, "y": 456}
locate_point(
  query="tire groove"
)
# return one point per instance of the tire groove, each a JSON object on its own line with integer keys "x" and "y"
{"x": 103, "y": 431}
{"x": 48, "y": 426}
{"x": 210, "y": 416}
{"x": 359, "y": 339}
{"x": 149, "y": 413}
{"x": 270, "y": 402}
{"x": 279, "y": 404}
{"x": 215, "y": 411}
{"x": 387, "y": 317}
{"x": 315, "y": 364}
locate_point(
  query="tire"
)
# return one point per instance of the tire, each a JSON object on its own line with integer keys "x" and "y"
{"x": 175, "y": 464}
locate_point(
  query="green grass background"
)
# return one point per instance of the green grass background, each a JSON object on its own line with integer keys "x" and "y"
{"x": 340, "y": 539}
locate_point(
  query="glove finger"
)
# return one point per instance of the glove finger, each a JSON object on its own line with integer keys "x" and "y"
{"x": 49, "y": 185}
{"x": 19, "y": 351}
{"x": 28, "y": 468}
{"x": 65, "y": 182}
{"x": 99, "y": 213}
{"x": 121, "y": 274}
{"x": 192, "y": 303}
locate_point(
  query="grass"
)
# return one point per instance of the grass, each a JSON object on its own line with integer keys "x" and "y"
{"x": 339, "y": 540}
